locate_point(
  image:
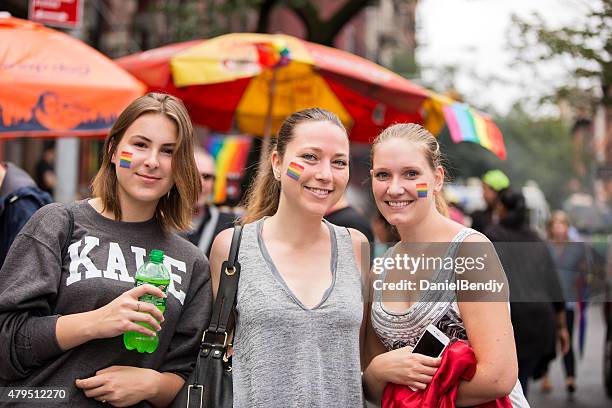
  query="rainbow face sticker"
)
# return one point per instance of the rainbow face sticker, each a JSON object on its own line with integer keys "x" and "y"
{"x": 421, "y": 189}
{"x": 125, "y": 159}
{"x": 295, "y": 170}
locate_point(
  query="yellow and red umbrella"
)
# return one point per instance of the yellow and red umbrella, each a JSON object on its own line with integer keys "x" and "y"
{"x": 52, "y": 84}
{"x": 244, "y": 81}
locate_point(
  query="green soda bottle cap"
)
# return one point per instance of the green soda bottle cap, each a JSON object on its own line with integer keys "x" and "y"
{"x": 156, "y": 256}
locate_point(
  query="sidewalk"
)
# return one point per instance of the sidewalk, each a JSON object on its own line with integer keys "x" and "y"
{"x": 590, "y": 391}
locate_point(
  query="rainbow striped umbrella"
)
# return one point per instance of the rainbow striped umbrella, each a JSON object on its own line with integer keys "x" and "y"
{"x": 465, "y": 123}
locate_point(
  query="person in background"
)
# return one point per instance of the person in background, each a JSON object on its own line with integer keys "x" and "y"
{"x": 67, "y": 291}
{"x": 385, "y": 235}
{"x": 20, "y": 198}
{"x": 536, "y": 298}
{"x": 572, "y": 262}
{"x": 345, "y": 215}
{"x": 455, "y": 211}
{"x": 45, "y": 169}
{"x": 208, "y": 221}
{"x": 493, "y": 183}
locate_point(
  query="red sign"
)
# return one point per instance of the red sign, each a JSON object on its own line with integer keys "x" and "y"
{"x": 60, "y": 13}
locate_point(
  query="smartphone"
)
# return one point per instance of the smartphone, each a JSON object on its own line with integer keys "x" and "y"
{"x": 431, "y": 343}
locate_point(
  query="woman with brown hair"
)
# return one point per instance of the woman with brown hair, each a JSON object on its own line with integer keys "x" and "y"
{"x": 407, "y": 181}
{"x": 67, "y": 290}
{"x": 299, "y": 307}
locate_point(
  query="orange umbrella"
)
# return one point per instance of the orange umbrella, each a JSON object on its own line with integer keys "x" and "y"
{"x": 52, "y": 84}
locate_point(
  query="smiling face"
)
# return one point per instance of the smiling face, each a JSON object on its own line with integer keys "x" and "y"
{"x": 403, "y": 182}
{"x": 314, "y": 170}
{"x": 143, "y": 159}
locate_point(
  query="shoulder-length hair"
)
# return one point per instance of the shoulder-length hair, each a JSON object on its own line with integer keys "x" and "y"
{"x": 174, "y": 209}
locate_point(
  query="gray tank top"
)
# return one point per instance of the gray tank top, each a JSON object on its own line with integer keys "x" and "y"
{"x": 286, "y": 355}
{"x": 403, "y": 329}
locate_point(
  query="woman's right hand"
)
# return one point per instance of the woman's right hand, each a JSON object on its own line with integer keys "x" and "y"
{"x": 402, "y": 366}
{"x": 122, "y": 314}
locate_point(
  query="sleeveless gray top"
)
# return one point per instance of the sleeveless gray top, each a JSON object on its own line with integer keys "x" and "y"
{"x": 286, "y": 355}
{"x": 401, "y": 329}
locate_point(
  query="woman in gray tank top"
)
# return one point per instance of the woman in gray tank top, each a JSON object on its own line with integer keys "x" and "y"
{"x": 407, "y": 180}
{"x": 299, "y": 307}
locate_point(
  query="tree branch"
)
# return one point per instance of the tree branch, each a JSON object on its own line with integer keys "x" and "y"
{"x": 307, "y": 13}
{"x": 263, "y": 19}
{"x": 345, "y": 14}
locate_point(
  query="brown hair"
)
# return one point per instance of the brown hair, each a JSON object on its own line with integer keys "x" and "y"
{"x": 263, "y": 195}
{"x": 416, "y": 134}
{"x": 174, "y": 210}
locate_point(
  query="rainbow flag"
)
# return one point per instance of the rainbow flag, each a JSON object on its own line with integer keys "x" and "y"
{"x": 125, "y": 159}
{"x": 469, "y": 125}
{"x": 230, "y": 154}
{"x": 421, "y": 189}
{"x": 465, "y": 124}
{"x": 272, "y": 54}
{"x": 295, "y": 170}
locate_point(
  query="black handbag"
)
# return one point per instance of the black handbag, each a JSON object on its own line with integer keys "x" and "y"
{"x": 210, "y": 383}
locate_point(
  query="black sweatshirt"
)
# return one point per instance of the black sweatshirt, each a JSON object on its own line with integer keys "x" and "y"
{"x": 36, "y": 287}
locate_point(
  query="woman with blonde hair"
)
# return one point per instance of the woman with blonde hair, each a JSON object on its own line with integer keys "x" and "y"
{"x": 299, "y": 307}
{"x": 407, "y": 181}
{"x": 67, "y": 291}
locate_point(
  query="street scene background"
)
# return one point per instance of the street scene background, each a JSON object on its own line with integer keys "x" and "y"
{"x": 535, "y": 75}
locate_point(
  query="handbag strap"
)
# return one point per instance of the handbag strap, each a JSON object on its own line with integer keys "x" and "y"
{"x": 215, "y": 339}
{"x": 220, "y": 323}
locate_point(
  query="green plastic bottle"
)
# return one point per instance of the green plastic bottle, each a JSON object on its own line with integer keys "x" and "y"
{"x": 152, "y": 272}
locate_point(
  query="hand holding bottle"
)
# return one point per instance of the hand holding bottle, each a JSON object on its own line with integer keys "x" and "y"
{"x": 125, "y": 312}
{"x": 137, "y": 313}
{"x": 153, "y": 272}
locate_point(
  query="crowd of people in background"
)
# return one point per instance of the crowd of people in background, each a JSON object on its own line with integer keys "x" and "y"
{"x": 303, "y": 246}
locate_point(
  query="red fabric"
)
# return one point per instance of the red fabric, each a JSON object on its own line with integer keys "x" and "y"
{"x": 368, "y": 77}
{"x": 210, "y": 105}
{"x": 369, "y": 116}
{"x": 151, "y": 67}
{"x": 458, "y": 363}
